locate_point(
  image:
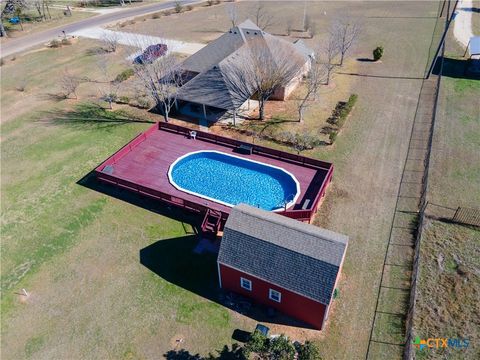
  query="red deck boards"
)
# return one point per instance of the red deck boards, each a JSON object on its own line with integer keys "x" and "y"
{"x": 147, "y": 164}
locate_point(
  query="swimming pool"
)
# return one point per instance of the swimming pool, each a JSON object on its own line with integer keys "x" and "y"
{"x": 231, "y": 180}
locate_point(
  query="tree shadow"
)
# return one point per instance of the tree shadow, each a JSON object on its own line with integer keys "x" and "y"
{"x": 365, "y": 60}
{"x": 96, "y": 50}
{"x": 92, "y": 115}
{"x": 52, "y": 97}
{"x": 181, "y": 354}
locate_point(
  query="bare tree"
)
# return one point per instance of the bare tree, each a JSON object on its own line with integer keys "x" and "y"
{"x": 300, "y": 141}
{"x": 69, "y": 84}
{"x": 262, "y": 18}
{"x": 232, "y": 13}
{"x": 108, "y": 88}
{"x": 110, "y": 41}
{"x": 42, "y": 8}
{"x": 314, "y": 79}
{"x": 260, "y": 69}
{"x": 346, "y": 31}
{"x": 162, "y": 80}
{"x": 327, "y": 55}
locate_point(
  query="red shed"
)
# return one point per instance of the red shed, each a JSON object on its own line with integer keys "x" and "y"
{"x": 280, "y": 262}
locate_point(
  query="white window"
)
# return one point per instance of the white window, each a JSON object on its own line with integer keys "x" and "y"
{"x": 275, "y": 295}
{"x": 246, "y": 284}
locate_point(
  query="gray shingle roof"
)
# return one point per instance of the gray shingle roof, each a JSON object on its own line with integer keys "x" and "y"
{"x": 214, "y": 52}
{"x": 296, "y": 256}
{"x": 214, "y": 84}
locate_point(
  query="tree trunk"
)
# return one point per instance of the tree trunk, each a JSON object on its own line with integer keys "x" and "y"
{"x": 165, "y": 113}
{"x": 3, "y": 33}
{"x": 261, "y": 109}
{"x": 301, "y": 112}
{"x": 48, "y": 11}
{"x": 328, "y": 76}
{"x": 342, "y": 55}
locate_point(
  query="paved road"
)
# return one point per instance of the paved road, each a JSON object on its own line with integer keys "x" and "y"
{"x": 16, "y": 45}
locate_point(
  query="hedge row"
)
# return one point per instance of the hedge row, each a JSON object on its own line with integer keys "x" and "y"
{"x": 340, "y": 114}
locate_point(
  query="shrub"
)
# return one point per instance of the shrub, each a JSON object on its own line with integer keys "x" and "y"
{"x": 167, "y": 12}
{"x": 309, "y": 351}
{"x": 143, "y": 103}
{"x": 378, "y": 53}
{"x": 2, "y": 62}
{"x": 124, "y": 75}
{"x": 178, "y": 7}
{"x": 341, "y": 111}
{"x": 209, "y": 2}
{"x": 66, "y": 41}
{"x": 123, "y": 100}
{"x": 22, "y": 85}
{"x": 281, "y": 348}
{"x": 258, "y": 343}
{"x": 189, "y": 8}
{"x": 55, "y": 43}
{"x": 332, "y": 137}
{"x": 156, "y": 16}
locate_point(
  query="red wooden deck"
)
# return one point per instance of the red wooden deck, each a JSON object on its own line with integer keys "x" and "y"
{"x": 142, "y": 166}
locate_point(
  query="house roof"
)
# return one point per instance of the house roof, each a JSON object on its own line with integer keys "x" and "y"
{"x": 215, "y": 85}
{"x": 299, "y": 257}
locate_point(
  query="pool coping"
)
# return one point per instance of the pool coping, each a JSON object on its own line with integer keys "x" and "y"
{"x": 179, "y": 188}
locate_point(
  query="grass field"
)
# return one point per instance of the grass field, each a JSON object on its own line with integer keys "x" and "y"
{"x": 449, "y": 284}
{"x": 77, "y": 252}
{"x": 58, "y": 19}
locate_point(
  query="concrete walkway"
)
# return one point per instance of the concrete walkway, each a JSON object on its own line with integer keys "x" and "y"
{"x": 139, "y": 40}
{"x": 462, "y": 27}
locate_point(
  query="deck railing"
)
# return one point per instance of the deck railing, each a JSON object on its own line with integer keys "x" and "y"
{"x": 257, "y": 149}
{"x": 298, "y": 214}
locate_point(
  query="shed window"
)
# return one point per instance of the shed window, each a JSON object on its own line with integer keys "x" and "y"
{"x": 275, "y": 295}
{"x": 246, "y": 284}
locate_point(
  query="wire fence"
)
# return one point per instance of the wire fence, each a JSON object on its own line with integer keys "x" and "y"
{"x": 459, "y": 215}
{"x": 463, "y": 215}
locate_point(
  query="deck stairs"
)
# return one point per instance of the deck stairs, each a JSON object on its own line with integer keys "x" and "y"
{"x": 211, "y": 223}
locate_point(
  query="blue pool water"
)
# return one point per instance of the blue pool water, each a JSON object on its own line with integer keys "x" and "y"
{"x": 232, "y": 180}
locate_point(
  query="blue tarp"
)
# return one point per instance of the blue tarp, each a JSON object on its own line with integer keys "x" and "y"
{"x": 14, "y": 20}
{"x": 474, "y": 46}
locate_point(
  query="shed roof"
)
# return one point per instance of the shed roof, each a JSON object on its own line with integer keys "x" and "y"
{"x": 296, "y": 256}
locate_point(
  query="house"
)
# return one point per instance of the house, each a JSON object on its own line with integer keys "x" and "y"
{"x": 281, "y": 263}
{"x": 212, "y": 91}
